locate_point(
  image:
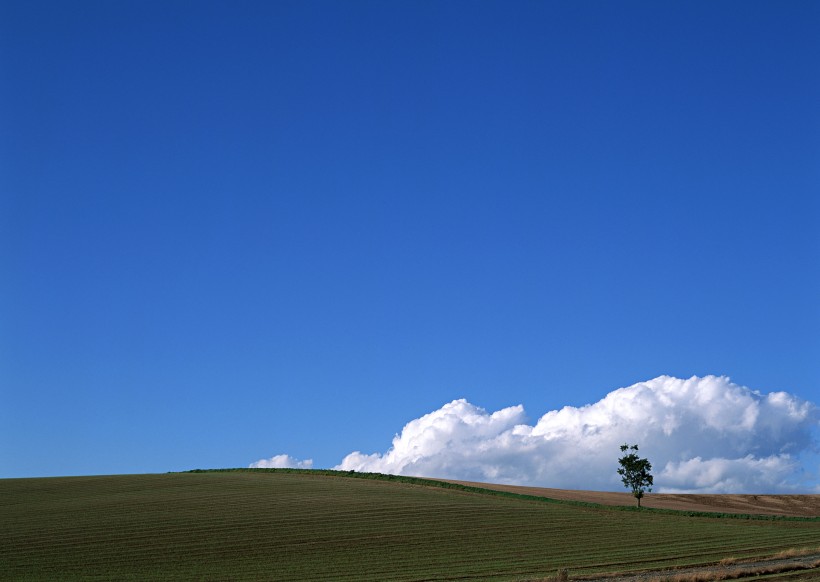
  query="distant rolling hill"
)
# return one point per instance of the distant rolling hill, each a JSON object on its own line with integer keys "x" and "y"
{"x": 314, "y": 525}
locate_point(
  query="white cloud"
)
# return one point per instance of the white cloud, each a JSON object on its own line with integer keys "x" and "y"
{"x": 730, "y": 475}
{"x": 282, "y": 462}
{"x": 701, "y": 434}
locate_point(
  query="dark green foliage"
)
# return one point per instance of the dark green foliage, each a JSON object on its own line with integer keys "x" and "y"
{"x": 635, "y": 472}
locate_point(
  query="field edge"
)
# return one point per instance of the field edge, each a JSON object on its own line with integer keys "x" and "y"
{"x": 430, "y": 482}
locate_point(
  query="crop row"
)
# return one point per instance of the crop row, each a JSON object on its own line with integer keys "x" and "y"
{"x": 302, "y": 526}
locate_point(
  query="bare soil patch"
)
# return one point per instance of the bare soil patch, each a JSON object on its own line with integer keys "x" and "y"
{"x": 728, "y": 571}
{"x": 791, "y": 505}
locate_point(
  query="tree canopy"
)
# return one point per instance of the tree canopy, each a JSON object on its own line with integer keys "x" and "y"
{"x": 635, "y": 472}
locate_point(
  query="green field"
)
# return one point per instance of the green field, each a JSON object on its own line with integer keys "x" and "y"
{"x": 270, "y": 525}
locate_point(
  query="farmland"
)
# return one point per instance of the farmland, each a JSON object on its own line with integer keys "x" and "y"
{"x": 280, "y": 525}
{"x": 789, "y": 505}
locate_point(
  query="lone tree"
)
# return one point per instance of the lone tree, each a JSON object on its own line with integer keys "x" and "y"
{"x": 634, "y": 472}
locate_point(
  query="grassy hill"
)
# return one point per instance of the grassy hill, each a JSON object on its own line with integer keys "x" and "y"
{"x": 300, "y": 525}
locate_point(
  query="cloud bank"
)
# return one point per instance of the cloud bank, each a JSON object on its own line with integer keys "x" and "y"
{"x": 701, "y": 435}
{"x": 282, "y": 462}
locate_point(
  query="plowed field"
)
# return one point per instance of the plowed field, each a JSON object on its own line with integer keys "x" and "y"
{"x": 792, "y": 505}
{"x": 267, "y": 525}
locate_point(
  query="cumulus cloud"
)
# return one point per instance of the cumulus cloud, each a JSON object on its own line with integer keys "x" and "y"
{"x": 749, "y": 473}
{"x": 702, "y": 434}
{"x": 282, "y": 462}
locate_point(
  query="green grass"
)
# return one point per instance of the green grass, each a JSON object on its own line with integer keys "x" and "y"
{"x": 281, "y": 525}
{"x": 485, "y": 491}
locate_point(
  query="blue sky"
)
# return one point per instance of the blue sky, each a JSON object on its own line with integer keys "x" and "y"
{"x": 234, "y": 230}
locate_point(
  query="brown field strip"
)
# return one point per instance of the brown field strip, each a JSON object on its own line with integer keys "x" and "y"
{"x": 789, "y": 505}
